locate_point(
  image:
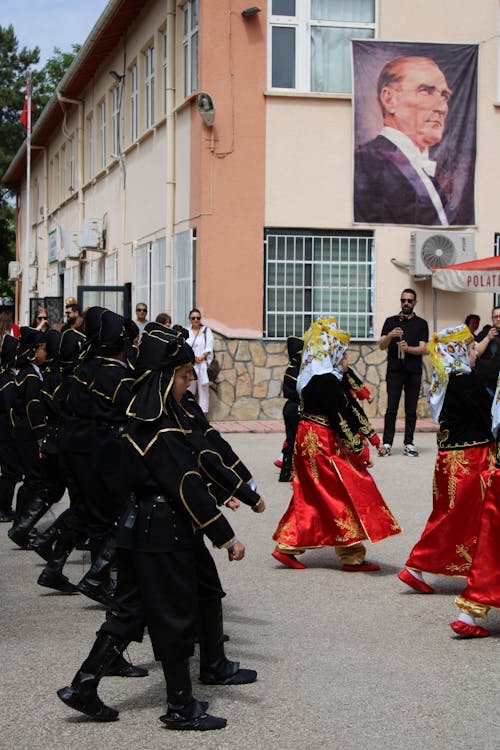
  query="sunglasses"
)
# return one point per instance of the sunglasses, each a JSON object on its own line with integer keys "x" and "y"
{"x": 141, "y": 309}
{"x": 42, "y": 317}
{"x": 195, "y": 317}
{"x": 405, "y": 299}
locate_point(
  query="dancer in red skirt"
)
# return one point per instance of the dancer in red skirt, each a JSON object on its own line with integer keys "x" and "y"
{"x": 335, "y": 501}
{"x": 483, "y": 582}
{"x": 466, "y": 453}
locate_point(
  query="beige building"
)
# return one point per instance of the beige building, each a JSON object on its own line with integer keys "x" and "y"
{"x": 143, "y": 189}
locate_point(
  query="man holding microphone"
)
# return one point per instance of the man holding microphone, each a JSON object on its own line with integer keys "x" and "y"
{"x": 405, "y": 336}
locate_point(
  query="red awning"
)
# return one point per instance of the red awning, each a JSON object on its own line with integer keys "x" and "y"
{"x": 474, "y": 276}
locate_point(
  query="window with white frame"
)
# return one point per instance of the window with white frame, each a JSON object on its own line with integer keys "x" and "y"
{"x": 312, "y": 274}
{"x": 190, "y": 46}
{"x": 310, "y": 42}
{"x": 133, "y": 104}
{"x": 91, "y": 146}
{"x": 102, "y": 134}
{"x": 72, "y": 165}
{"x": 164, "y": 68}
{"x": 115, "y": 122}
{"x": 150, "y": 276}
{"x": 183, "y": 274}
{"x": 149, "y": 86}
{"x": 64, "y": 181}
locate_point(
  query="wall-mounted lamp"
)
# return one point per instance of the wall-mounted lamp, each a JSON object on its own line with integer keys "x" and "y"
{"x": 118, "y": 78}
{"x": 250, "y": 11}
{"x": 206, "y": 108}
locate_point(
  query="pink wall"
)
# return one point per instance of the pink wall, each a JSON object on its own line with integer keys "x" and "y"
{"x": 228, "y": 168}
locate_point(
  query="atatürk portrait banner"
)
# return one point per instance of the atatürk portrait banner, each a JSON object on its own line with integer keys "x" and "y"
{"x": 414, "y": 121}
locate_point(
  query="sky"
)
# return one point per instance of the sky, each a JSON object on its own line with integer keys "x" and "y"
{"x": 50, "y": 23}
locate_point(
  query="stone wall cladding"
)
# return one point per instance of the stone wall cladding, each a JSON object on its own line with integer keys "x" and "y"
{"x": 251, "y": 376}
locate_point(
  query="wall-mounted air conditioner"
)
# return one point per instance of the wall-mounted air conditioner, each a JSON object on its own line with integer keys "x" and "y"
{"x": 71, "y": 245}
{"x": 15, "y": 270}
{"x": 439, "y": 248}
{"x": 92, "y": 236}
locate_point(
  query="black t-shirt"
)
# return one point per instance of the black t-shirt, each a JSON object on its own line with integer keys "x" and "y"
{"x": 415, "y": 330}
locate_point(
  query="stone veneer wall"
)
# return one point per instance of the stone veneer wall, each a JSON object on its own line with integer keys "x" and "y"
{"x": 251, "y": 376}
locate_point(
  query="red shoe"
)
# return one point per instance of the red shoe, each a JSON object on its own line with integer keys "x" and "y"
{"x": 364, "y": 567}
{"x": 464, "y": 630}
{"x": 415, "y": 582}
{"x": 289, "y": 560}
{"x": 278, "y": 463}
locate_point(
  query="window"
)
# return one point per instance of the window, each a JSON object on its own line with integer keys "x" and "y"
{"x": 90, "y": 153}
{"x": 115, "y": 106}
{"x": 183, "y": 281}
{"x": 63, "y": 185}
{"x": 190, "y": 46}
{"x": 102, "y": 134}
{"x": 150, "y": 276}
{"x": 313, "y": 274}
{"x": 72, "y": 174}
{"x": 310, "y": 42}
{"x": 149, "y": 84}
{"x": 133, "y": 103}
{"x": 164, "y": 69}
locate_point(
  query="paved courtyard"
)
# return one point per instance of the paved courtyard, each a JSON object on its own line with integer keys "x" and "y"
{"x": 345, "y": 660}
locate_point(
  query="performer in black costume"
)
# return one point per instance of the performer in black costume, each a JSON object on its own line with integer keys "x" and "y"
{"x": 9, "y": 462}
{"x": 160, "y": 575}
{"x": 42, "y": 485}
{"x": 291, "y": 409}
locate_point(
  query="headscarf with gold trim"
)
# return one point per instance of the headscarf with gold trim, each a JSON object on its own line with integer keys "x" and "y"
{"x": 324, "y": 348}
{"x": 8, "y": 351}
{"x": 448, "y": 355}
{"x": 160, "y": 352}
{"x": 29, "y": 341}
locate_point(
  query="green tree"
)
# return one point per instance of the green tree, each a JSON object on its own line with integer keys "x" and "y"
{"x": 14, "y": 66}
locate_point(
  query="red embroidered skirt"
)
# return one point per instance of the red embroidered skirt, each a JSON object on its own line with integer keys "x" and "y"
{"x": 483, "y": 581}
{"x": 334, "y": 503}
{"x": 449, "y": 539}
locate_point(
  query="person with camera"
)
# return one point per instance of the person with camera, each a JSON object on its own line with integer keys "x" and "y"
{"x": 404, "y": 336}
{"x": 488, "y": 350}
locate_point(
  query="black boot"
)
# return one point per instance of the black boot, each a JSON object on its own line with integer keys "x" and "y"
{"x": 43, "y": 543}
{"x": 183, "y": 711}
{"x": 82, "y": 693}
{"x": 52, "y": 576}
{"x": 286, "y": 469}
{"x": 120, "y": 667}
{"x": 7, "y": 489}
{"x": 22, "y": 498}
{"x": 97, "y": 583}
{"x": 35, "y": 508}
{"x": 215, "y": 668}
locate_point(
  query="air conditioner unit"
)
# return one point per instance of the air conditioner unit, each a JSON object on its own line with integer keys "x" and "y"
{"x": 91, "y": 238}
{"x": 15, "y": 270}
{"x": 71, "y": 245}
{"x": 429, "y": 248}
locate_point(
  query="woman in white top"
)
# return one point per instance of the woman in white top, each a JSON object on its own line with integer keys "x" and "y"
{"x": 201, "y": 340}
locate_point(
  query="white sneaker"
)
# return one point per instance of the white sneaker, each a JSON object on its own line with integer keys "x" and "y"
{"x": 388, "y": 449}
{"x": 410, "y": 450}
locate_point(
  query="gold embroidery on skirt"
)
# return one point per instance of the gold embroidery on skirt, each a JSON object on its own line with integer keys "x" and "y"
{"x": 311, "y": 445}
{"x": 349, "y": 526}
{"x": 452, "y": 463}
{"x": 462, "y": 551}
{"x": 394, "y": 524}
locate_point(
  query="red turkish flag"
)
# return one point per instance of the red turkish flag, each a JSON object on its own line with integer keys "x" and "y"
{"x": 24, "y": 114}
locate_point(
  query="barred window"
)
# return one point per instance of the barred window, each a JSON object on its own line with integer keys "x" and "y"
{"x": 314, "y": 274}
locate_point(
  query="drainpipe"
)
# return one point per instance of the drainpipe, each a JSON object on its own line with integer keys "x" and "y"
{"x": 170, "y": 187}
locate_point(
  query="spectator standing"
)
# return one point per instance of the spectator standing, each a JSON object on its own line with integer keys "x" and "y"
{"x": 488, "y": 350}
{"x": 7, "y": 325}
{"x": 472, "y": 322}
{"x": 41, "y": 320}
{"x": 141, "y": 316}
{"x": 404, "y": 336}
{"x": 201, "y": 341}
{"x": 74, "y": 318}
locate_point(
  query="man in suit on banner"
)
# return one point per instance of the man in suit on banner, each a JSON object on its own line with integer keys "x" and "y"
{"x": 394, "y": 180}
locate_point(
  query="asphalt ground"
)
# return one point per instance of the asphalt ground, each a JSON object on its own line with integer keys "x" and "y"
{"x": 345, "y": 660}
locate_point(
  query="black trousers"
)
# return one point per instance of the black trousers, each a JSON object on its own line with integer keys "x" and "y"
{"x": 291, "y": 418}
{"x": 163, "y": 590}
{"x": 396, "y": 383}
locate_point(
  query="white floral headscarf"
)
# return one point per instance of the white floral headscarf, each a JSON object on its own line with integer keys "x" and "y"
{"x": 495, "y": 410}
{"x": 448, "y": 354}
{"x": 324, "y": 348}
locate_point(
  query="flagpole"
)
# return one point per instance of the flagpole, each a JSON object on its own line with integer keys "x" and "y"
{"x": 26, "y": 264}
